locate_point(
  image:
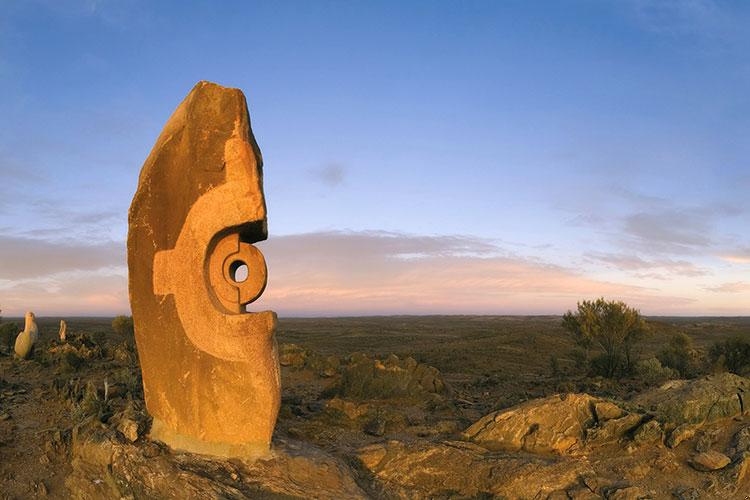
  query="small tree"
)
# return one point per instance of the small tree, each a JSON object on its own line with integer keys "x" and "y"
{"x": 123, "y": 325}
{"x": 733, "y": 354}
{"x": 611, "y": 326}
{"x": 680, "y": 355}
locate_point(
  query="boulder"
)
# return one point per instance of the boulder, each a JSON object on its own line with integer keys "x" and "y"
{"x": 298, "y": 358}
{"x": 681, "y": 433}
{"x": 607, "y": 410}
{"x": 696, "y": 401}
{"x": 147, "y": 470}
{"x": 28, "y": 338}
{"x": 612, "y": 431}
{"x": 352, "y": 409}
{"x": 366, "y": 378}
{"x": 709, "y": 461}
{"x": 423, "y": 469}
{"x": 648, "y": 433}
{"x": 706, "y": 439}
{"x": 737, "y": 474}
{"x": 741, "y": 441}
{"x": 292, "y": 355}
{"x": 556, "y": 424}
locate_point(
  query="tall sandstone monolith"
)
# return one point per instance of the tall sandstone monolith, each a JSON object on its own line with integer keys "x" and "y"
{"x": 210, "y": 369}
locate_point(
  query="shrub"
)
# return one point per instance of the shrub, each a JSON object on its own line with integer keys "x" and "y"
{"x": 605, "y": 365}
{"x": 8, "y": 334}
{"x": 554, "y": 365}
{"x": 71, "y": 361}
{"x": 680, "y": 355}
{"x": 652, "y": 372}
{"x": 732, "y": 354}
{"x": 610, "y": 326}
{"x": 123, "y": 325}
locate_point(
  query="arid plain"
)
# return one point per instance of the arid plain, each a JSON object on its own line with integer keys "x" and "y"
{"x": 371, "y": 407}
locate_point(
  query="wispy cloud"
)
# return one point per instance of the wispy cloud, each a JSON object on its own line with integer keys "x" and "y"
{"x": 733, "y": 287}
{"x": 655, "y": 228}
{"x": 738, "y": 256}
{"x": 635, "y": 263}
{"x": 331, "y": 174}
{"x": 349, "y": 273}
{"x": 359, "y": 273}
{"x": 671, "y": 230}
{"x": 24, "y": 258}
{"x": 74, "y": 293}
{"x": 684, "y": 17}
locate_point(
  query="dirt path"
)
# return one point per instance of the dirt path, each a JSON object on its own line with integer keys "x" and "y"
{"x": 33, "y": 424}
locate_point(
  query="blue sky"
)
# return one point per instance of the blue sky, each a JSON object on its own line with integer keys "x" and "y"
{"x": 488, "y": 157}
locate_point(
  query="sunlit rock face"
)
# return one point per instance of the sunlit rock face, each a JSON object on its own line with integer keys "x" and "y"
{"x": 210, "y": 369}
{"x": 27, "y": 339}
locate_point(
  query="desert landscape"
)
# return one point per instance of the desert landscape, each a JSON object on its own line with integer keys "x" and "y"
{"x": 386, "y": 407}
{"x": 386, "y": 250}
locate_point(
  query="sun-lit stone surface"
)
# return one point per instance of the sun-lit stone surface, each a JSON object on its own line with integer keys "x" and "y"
{"x": 210, "y": 369}
{"x": 63, "y": 330}
{"x": 27, "y": 338}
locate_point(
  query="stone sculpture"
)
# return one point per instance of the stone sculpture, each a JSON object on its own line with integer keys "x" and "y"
{"x": 63, "y": 330}
{"x": 26, "y": 340}
{"x": 210, "y": 369}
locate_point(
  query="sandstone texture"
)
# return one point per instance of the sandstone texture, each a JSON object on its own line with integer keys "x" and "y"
{"x": 147, "y": 470}
{"x": 430, "y": 470}
{"x": 367, "y": 378}
{"x": 558, "y": 424}
{"x": 27, "y": 338}
{"x": 709, "y": 460}
{"x": 210, "y": 369}
{"x": 697, "y": 401}
{"x": 681, "y": 433}
{"x": 63, "y": 333}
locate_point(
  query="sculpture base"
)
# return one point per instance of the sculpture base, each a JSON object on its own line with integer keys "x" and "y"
{"x": 180, "y": 442}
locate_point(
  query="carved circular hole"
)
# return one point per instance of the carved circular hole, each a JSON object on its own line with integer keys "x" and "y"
{"x": 238, "y": 271}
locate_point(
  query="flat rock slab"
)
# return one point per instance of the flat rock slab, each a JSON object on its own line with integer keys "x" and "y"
{"x": 103, "y": 467}
{"x": 424, "y": 469}
{"x": 709, "y": 461}
{"x": 697, "y": 401}
{"x": 561, "y": 424}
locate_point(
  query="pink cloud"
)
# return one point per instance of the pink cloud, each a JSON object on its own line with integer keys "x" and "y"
{"x": 353, "y": 273}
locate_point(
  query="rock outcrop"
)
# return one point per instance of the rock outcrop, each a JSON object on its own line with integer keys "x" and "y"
{"x": 453, "y": 468}
{"x": 105, "y": 467}
{"x": 561, "y": 424}
{"x": 696, "y": 401}
{"x": 27, "y": 339}
{"x": 367, "y": 378}
{"x": 709, "y": 460}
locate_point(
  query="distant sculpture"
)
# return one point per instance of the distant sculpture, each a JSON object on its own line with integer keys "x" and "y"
{"x": 210, "y": 369}
{"x": 63, "y": 330}
{"x": 26, "y": 340}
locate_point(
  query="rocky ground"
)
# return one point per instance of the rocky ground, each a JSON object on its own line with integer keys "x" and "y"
{"x": 387, "y": 408}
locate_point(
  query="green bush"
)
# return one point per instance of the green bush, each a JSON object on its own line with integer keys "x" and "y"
{"x": 8, "y": 334}
{"x": 613, "y": 328}
{"x": 123, "y": 325}
{"x": 732, "y": 355}
{"x": 652, "y": 372}
{"x": 71, "y": 361}
{"x": 606, "y": 365}
{"x": 680, "y": 355}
